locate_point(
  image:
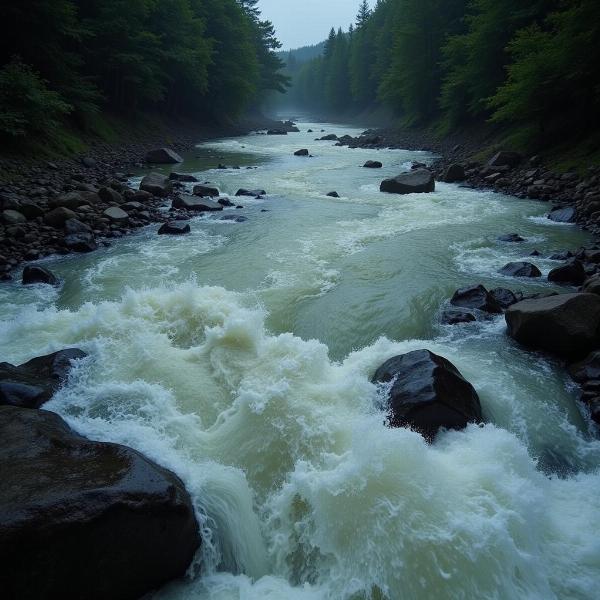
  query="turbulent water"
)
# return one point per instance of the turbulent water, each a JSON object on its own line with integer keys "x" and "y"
{"x": 240, "y": 356}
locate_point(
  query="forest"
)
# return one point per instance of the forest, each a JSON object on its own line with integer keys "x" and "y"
{"x": 68, "y": 62}
{"x": 457, "y": 63}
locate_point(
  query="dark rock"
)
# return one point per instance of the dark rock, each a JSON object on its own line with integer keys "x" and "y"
{"x": 185, "y": 177}
{"x": 419, "y": 181}
{"x": 428, "y": 393}
{"x": 303, "y": 152}
{"x": 109, "y": 195}
{"x": 592, "y": 285}
{"x": 561, "y": 255}
{"x": 276, "y": 132}
{"x": 456, "y": 316}
{"x": 81, "y": 242}
{"x": 253, "y": 193}
{"x": 333, "y": 195}
{"x": 505, "y": 159}
{"x": 563, "y": 215}
{"x": 476, "y": 297}
{"x": 373, "y": 164}
{"x": 30, "y": 209}
{"x": 511, "y": 237}
{"x": 586, "y": 370}
{"x": 504, "y": 297}
{"x": 571, "y": 273}
{"x": 225, "y": 202}
{"x": 195, "y": 203}
{"x": 37, "y": 274}
{"x": 13, "y": 217}
{"x": 567, "y": 325}
{"x": 520, "y": 269}
{"x": 86, "y": 519}
{"x": 156, "y": 184}
{"x": 174, "y": 228}
{"x": 234, "y": 218}
{"x": 88, "y": 162}
{"x": 454, "y": 173}
{"x": 205, "y": 191}
{"x": 329, "y": 137}
{"x": 163, "y": 156}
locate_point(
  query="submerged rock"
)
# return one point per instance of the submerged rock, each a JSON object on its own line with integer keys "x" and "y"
{"x": 37, "y": 274}
{"x": 196, "y": 203}
{"x": 333, "y": 195}
{"x": 163, "y": 156}
{"x": 457, "y": 316}
{"x": 183, "y": 177}
{"x": 511, "y": 237}
{"x": 303, "y": 152}
{"x": 567, "y": 325}
{"x": 174, "y": 228}
{"x": 253, "y": 193}
{"x": 428, "y": 393}
{"x": 476, "y": 297}
{"x": 373, "y": 164}
{"x": 86, "y": 519}
{"x": 416, "y": 182}
{"x": 520, "y": 269}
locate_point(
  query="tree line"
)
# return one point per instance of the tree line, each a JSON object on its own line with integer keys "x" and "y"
{"x": 453, "y": 62}
{"x": 68, "y": 60}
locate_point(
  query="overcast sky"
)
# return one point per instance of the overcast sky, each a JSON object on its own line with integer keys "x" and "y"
{"x": 305, "y": 22}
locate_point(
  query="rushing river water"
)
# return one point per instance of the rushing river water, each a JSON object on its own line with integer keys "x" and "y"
{"x": 240, "y": 357}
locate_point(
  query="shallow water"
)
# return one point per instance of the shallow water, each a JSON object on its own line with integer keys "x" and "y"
{"x": 240, "y": 357}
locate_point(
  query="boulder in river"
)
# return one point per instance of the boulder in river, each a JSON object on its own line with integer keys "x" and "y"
{"x": 303, "y": 152}
{"x": 511, "y": 238}
{"x": 416, "y": 182}
{"x": 520, "y": 269}
{"x": 86, "y": 519}
{"x": 457, "y": 316}
{"x": 586, "y": 370}
{"x": 454, "y": 173}
{"x": 156, "y": 184}
{"x": 373, "y": 164}
{"x": 567, "y": 325}
{"x": 205, "y": 191}
{"x": 252, "y": 193}
{"x": 505, "y": 297}
{"x": 333, "y": 194}
{"x": 116, "y": 214}
{"x": 37, "y": 274}
{"x": 563, "y": 215}
{"x": 276, "y": 132}
{"x": 183, "y": 177}
{"x": 174, "y": 228}
{"x": 163, "y": 156}
{"x": 80, "y": 242}
{"x": 33, "y": 383}
{"x": 428, "y": 393}
{"x": 196, "y": 203}
{"x": 225, "y": 202}
{"x": 476, "y": 297}
{"x": 330, "y": 137}
{"x": 572, "y": 273}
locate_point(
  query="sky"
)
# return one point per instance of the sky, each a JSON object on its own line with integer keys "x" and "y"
{"x": 306, "y": 22}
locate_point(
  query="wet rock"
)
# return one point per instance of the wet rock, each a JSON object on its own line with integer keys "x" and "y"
{"x": 330, "y": 137}
{"x": 253, "y": 193}
{"x": 567, "y": 325}
{"x": 505, "y": 159}
{"x": 428, "y": 393}
{"x": 82, "y": 515}
{"x": 195, "y": 203}
{"x": 520, "y": 269}
{"x": 572, "y": 273}
{"x": 156, "y": 184}
{"x": 174, "y": 228}
{"x": 333, "y": 194}
{"x": 415, "y": 182}
{"x": 183, "y": 177}
{"x": 592, "y": 285}
{"x": 163, "y": 156}
{"x": 225, "y": 202}
{"x": 81, "y": 242}
{"x": 234, "y": 218}
{"x": 566, "y": 255}
{"x": 511, "y": 237}
{"x": 276, "y": 132}
{"x": 205, "y": 191}
{"x": 456, "y": 316}
{"x": 586, "y": 370}
{"x": 303, "y": 152}
{"x": 108, "y": 195}
{"x": 37, "y": 274}
{"x": 30, "y": 209}
{"x": 13, "y": 217}
{"x": 454, "y": 173}
{"x": 476, "y": 297}
{"x": 563, "y": 215}
{"x": 116, "y": 214}
{"x": 504, "y": 297}
{"x": 373, "y": 164}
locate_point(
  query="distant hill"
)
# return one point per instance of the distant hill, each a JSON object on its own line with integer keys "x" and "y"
{"x": 302, "y": 55}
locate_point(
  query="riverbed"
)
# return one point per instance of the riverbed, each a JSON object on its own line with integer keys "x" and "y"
{"x": 240, "y": 357}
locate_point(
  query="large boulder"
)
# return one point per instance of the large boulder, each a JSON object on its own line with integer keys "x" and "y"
{"x": 303, "y": 152}
{"x": 330, "y": 137}
{"x": 59, "y": 216}
{"x": 505, "y": 297}
{"x": 563, "y": 215}
{"x": 457, "y": 316}
{"x": 454, "y": 173}
{"x": 195, "y": 203}
{"x": 477, "y": 297}
{"x": 586, "y": 370}
{"x": 505, "y": 159}
{"x": 163, "y": 156}
{"x": 37, "y": 274}
{"x": 13, "y": 217}
{"x": 253, "y": 193}
{"x": 110, "y": 196}
{"x": 520, "y": 269}
{"x": 428, "y": 393}
{"x": 157, "y": 185}
{"x": 116, "y": 214}
{"x": 592, "y": 285}
{"x": 418, "y": 181}
{"x": 206, "y": 191}
{"x": 572, "y": 273}
{"x": 373, "y": 164}
{"x": 83, "y": 519}
{"x": 184, "y": 177}
{"x": 567, "y": 325}
{"x": 174, "y": 228}
{"x": 33, "y": 383}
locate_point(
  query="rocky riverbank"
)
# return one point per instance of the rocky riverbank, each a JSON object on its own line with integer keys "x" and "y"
{"x": 78, "y": 204}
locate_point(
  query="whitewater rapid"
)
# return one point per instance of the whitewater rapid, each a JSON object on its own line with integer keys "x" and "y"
{"x": 237, "y": 358}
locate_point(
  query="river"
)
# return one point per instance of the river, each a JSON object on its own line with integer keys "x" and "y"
{"x": 240, "y": 357}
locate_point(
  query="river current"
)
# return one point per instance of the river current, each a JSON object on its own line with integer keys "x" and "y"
{"x": 240, "y": 357}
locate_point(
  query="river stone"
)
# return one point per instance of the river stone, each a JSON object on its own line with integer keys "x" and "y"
{"x": 37, "y": 274}
{"x": 333, "y": 194}
{"x": 174, "y": 228}
{"x": 563, "y": 215}
{"x": 156, "y": 184}
{"x": 592, "y": 285}
{"x": 33, "y": 383}
{"x": 163, "y": 156}
{"x": 587, "y": 369}
{"x": 30, "y": 209}
{"x": 572, "y": 272}
{"x": 108, "y": 195}
{"x": 504, "y": 297}
{"x": 428, "y": 393}
{"x": 13, "y": 217}
{"x": 59, "y": 216}
{"x": 416, "y": 182}
{"x": 205, "y": 191}
{"x": 330, "y": 137}
{"x": 454, "y": 173}
{"x": 225, "y": 202}
{"x": 276, "y": 132}
{"x": 84, "y": 519}
{"x": 80, "y": 242}
{"x": 71, "y": 200}
{"x": 303, "y": 152}
{"x": 511, "y": 237}
{"x": 520, "y": 269}
{"x": 76, "y": 226}
{"x": 116, "y": 214}
{"x": 253, "y": 193}
{"x": 457, "y": 316}
{"x": 184, "y": 177}
{"x": 373, "y": 164}
{"x": 476, "y": 297}
{"x": 187, "y": 202}
{"x": 567, "y": 325}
